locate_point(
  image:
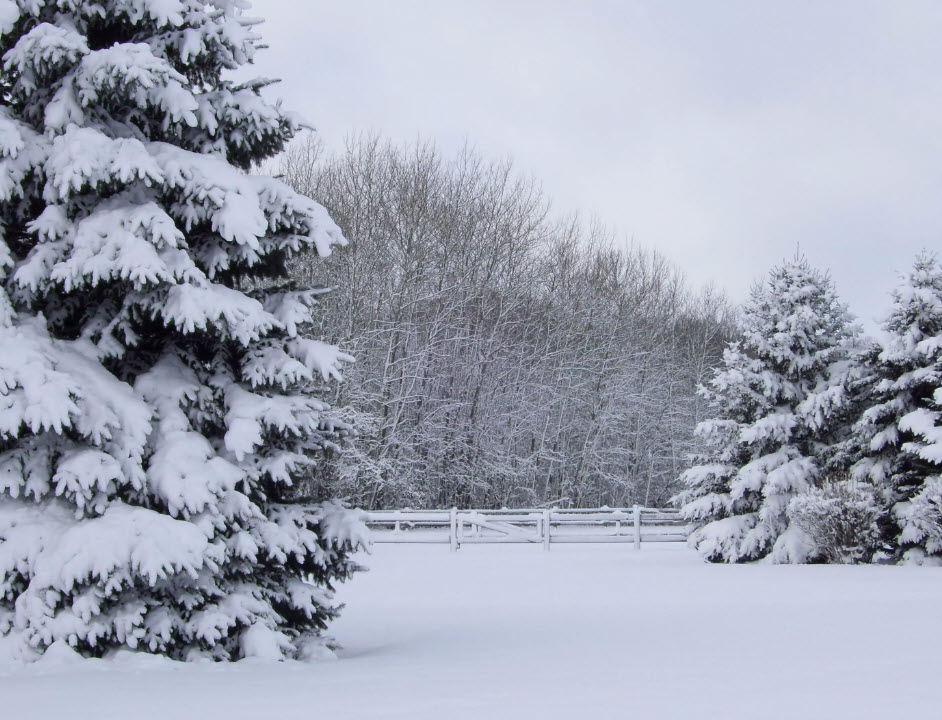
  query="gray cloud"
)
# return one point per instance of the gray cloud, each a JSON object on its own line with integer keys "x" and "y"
{"x": 723, "y": 134}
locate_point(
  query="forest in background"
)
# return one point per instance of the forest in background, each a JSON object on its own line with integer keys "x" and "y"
{"x": 507, "y": 355}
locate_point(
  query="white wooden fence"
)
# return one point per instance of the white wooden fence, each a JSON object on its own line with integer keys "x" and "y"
{"x": 546, "y": 527}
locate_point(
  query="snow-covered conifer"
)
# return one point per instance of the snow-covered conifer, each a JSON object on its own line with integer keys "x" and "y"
{"x": 779, "y": 400}
{"x": 153, "y": 409}
{"x": 899, "y": 435}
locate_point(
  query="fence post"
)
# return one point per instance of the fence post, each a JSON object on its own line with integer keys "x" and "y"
{"x": 546, "y": 530}
{"x": 637, "y": 509}
{"x": 454, "y": 529}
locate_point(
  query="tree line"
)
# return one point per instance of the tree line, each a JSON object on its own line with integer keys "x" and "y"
{"x": 506, "y": 356}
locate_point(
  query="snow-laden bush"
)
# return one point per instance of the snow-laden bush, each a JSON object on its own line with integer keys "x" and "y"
{"x": 841, "y": 518}
{"x": 158, "y": 395}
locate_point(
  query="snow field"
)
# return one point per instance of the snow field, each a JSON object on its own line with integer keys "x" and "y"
{"x": 581, "y": 632}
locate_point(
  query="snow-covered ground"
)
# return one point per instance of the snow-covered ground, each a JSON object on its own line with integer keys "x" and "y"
{"x": 581, "y": 632}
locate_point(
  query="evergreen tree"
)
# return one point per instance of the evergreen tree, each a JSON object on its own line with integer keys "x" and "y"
{"x": 898, "y": 436}
{"x": 157, "y": 395}
{"x": 779, "y": 400}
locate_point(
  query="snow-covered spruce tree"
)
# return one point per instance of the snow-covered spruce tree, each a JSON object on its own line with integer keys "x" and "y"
{"x": 152, "y": 412}
{"x": 899, "y": 434}
{"x": 780, "y": 402}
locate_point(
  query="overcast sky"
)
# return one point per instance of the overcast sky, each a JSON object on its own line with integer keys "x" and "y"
{"x": 723, "y": 134}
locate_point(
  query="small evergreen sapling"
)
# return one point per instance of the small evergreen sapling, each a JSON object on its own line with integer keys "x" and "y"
{"x": 153, "y": 410}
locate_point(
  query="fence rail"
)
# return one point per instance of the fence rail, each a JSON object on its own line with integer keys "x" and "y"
{"x": 547, "y": 527}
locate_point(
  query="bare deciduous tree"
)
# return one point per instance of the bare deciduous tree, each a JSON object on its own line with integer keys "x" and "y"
{"x": 505, "y": 357}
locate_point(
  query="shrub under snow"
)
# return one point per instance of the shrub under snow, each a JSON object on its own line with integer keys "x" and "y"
{"x": 841, "y": 518}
